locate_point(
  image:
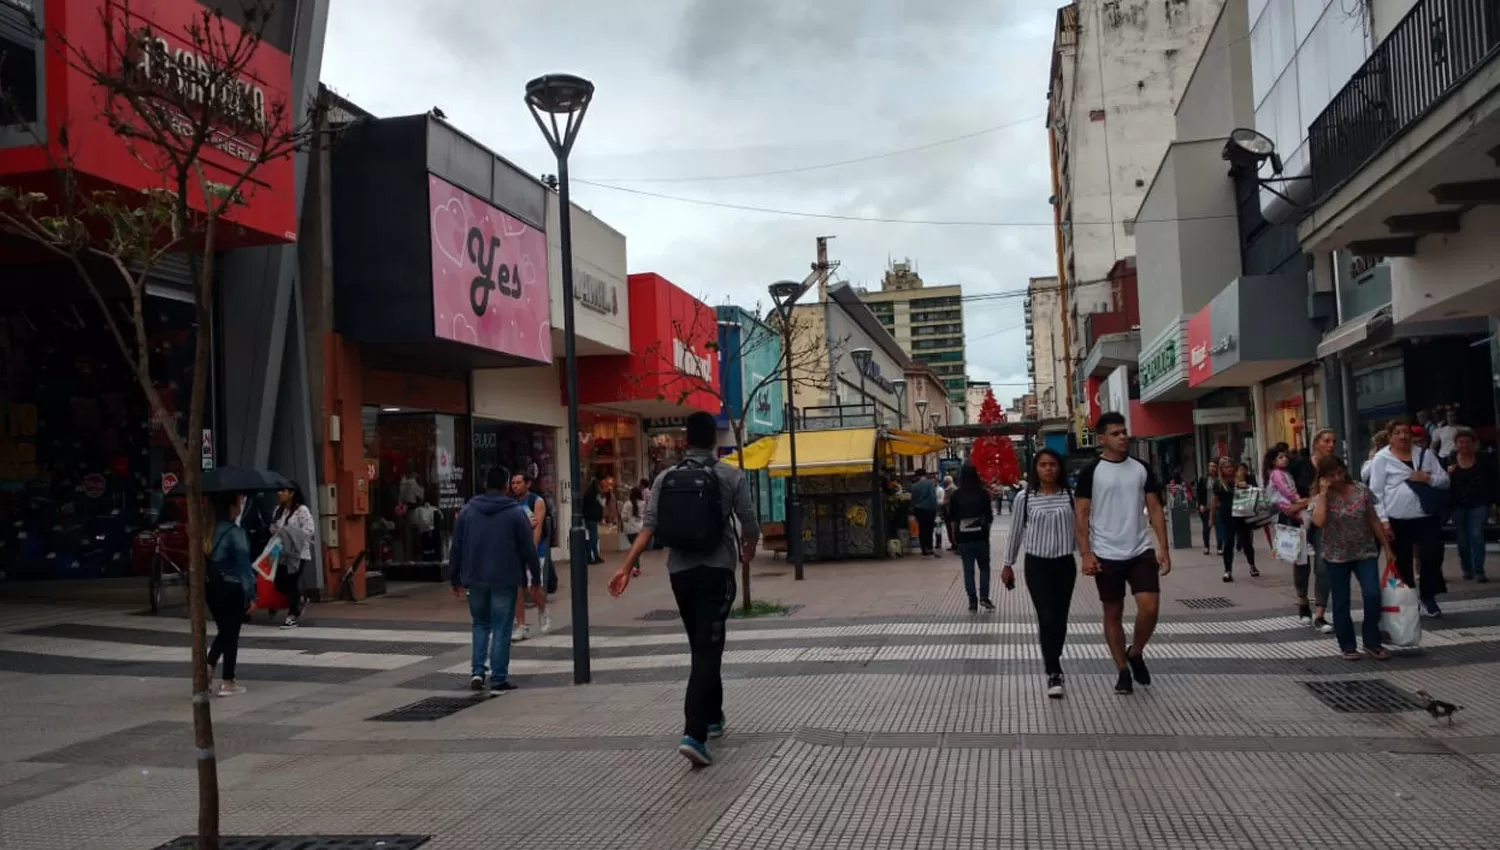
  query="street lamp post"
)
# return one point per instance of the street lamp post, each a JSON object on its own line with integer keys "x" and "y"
{"x": 922, "y": 414}
{"x": 784, "y": 295}
{"x": 564, "y": 99}
{"x": 861, "y": 358}
{"x": 900, "y": 385}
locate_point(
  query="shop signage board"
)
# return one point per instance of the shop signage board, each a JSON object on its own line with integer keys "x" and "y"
{"x": 168, "y": 481}
{"x": 208, "y": 449}
{"x": 1199, "y": 331}
{"x": 596, "y": 294}
{"x": 664, "y": 423}
{"x": 1117, "y": 393}
{"x": 1159, "y": 362}
{"x": 489, "y": 276}
{"x": 1219, "y": 416}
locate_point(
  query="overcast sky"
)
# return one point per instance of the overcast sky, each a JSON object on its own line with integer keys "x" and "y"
{"x": 718, "y": 88}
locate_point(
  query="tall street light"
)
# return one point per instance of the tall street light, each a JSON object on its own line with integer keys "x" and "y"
{"x": 900, "y": 385}
{"x": 564, "y": 99}
{"x": 861, "y": 358}
{"x": 922, "y": 414}
{"x": 784, "y": 295}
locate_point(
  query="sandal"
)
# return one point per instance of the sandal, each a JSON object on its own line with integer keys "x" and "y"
{"x": 1379, "y": 654}
{"x": 1352, "y": 656}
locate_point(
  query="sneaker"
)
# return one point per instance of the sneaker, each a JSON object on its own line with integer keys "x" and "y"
{"x": 1137, "y": 664}
{"x": 289, "y": 623}
{"x": 1205, "y": 551}
{"x": 1124, "y": 685}
{"x": 1323, "y": 626}
{"x": 1304, "y": 615}
{"x": 635, "y": 572}
{"x": 1254, "y": 573}
{"x": 988, "y": 605}
{"x": 476, "y": 683}
{"x": 1228, "y": 577}
{"x": 520, "y": 633}
{"x": 716, "y": 730}
{"x": 546, "y": 623}
{"x": 1430, "y": 608}
{"x": 1468, "y": 576}
{"x": 501, "y": 687}
{"x": 1055, "y": 686}
{"x": 973, "y": 605}
{"x": 695, "y": 752}
{"x": 228, "y": 690}
{"x": 1481, "y": 579}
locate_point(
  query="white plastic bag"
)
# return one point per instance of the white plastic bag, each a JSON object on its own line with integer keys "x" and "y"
{"x": 1400, "y": 612}
{"x": 1290, "y": 544}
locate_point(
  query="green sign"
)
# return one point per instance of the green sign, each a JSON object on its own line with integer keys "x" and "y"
{"x": 1160, "y": 362}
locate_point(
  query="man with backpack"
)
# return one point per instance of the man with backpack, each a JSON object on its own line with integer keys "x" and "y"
{"x": 541, "y": 517}
{"x": 702, "y": 512}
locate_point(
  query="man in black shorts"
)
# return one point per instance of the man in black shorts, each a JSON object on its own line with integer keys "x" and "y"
{"x": 1114, "y": 495}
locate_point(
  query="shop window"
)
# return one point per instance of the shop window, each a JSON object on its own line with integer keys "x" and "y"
{"x": 20, "y": 89}
{"x": 421, "y": 485}
{"x": 526, "y": 449}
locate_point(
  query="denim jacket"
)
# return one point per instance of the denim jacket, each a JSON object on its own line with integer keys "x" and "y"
{"x": 229, "y": 560}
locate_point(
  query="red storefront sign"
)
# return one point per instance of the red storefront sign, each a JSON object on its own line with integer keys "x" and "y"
{"x": 1200, "y": 331}
{"x": 673, "y": 367}
{"x": 1094, "y": 389}
{"x": 158, "y": 33}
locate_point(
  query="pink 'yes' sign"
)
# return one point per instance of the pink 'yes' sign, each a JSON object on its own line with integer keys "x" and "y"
{"x": 489, "y": 276}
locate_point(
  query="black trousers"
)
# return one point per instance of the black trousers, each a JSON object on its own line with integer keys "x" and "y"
{"x": 290, "y": 586}
{"x": 226, "y": 603}
{"x": 1050, "y": 582}
{"x": 1241, "y": 538}
{"x": 704, "y": 597}
{"x": 1420, "y": 538}
{"x": 926, "y": 523}
{"x": 1203, "y": 520}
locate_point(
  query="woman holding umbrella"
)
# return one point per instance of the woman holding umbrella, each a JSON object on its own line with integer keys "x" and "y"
{"x": 229, "y": 585}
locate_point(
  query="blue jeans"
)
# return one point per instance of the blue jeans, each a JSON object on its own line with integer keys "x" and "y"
{"x": 592, "y": 527}
{"x": 492, "y": 610}
{"x": 1469, "y": 524}
{"x": 972, "y": 553}
{"x": 1368, "y": 574}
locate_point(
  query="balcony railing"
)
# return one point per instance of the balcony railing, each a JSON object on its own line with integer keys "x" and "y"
{"x": 1429, "y": 54}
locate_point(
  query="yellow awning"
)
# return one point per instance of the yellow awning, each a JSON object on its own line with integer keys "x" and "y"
{"x": 846, "y": 451}
{"x": 757, "y": 455}
{"x": 913, "y": 444}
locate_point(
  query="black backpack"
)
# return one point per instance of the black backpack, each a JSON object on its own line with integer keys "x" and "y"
{"x": 690, "y": 513}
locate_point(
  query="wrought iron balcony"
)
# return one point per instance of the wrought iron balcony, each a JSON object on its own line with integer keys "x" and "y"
{"x": 1429, "y": 54}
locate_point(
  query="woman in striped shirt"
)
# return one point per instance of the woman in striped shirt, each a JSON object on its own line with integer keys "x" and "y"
{"x": 1042, "y": 526}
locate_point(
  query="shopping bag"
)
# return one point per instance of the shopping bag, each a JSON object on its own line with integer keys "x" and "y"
{"x": 1400, "y": 614}
{"x": 1247, "y": 502}
{"x": 1290, "y": 544}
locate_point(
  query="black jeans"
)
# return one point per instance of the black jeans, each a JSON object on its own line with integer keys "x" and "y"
{"x": 926, "y": 522}
{"x": 226, "y": 602}
{"x": 1203, "y": 520}
{"x": 704, "y": 597}
{"x": 1420, "y": 538}
{"x": 1050, "y": 582}
{"x": 290, "y": 586}
{"x": 1240, "y": 537}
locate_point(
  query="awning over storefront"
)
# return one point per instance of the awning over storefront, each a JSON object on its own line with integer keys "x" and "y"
{"x": 846, "y": 451}
{"x": 913, "y": 444}
{"x": 757, "y": 455}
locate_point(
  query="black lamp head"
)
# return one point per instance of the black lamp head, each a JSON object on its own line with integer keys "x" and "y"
{"x": 559, "y": 94}
{"x": 785, "y": 291}
{"x": 861, "y": 357}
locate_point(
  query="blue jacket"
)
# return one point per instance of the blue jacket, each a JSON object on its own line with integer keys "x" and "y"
{"x": 924, "y": 495}
{"x": 492, "y": 543}
{"x": 229, "y": 559}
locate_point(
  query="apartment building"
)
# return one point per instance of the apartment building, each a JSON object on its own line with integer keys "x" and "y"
{"x": 1046, "y": 351}
{"x": 1119, "y": 68}
{"x": 927, "y": 322}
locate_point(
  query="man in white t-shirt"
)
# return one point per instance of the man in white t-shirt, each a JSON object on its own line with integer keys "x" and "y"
{"x": 1115, "y": 496}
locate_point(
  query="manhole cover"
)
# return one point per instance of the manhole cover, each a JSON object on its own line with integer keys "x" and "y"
{"x": 1208, "y": 602}
{"x": 431, "y": 708}
{"x": 769, "y": 575}
{"x": 305, "y": 842}
{"x": 659, "y": 615}
{"x": 1363, "y": 696}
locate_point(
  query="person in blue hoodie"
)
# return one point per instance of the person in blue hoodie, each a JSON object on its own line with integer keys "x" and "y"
{"x": 492, "y": 552}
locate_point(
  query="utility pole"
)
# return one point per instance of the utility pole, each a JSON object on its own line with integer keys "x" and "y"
{"x": 822, "y": 269}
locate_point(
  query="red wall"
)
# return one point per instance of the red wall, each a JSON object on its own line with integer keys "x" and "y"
{"x": 660, "y": 314}
{"x": 1161, "y": 418}
{"x": 1127, "y": 312}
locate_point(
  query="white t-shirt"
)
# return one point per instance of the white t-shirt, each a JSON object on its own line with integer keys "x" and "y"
{"x": 1116, "y": 490}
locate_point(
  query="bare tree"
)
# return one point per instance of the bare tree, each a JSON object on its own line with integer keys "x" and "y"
{"x": 811, "y": 356}
{"x": 170, "y": 98}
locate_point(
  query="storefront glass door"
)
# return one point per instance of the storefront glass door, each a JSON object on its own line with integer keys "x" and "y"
{"x": 422, "y": 483}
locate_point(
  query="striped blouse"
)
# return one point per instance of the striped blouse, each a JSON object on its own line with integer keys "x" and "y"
{"x": 1049, "y": 527}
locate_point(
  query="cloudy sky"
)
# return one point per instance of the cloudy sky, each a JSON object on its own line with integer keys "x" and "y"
{"x": 693, "y": 92}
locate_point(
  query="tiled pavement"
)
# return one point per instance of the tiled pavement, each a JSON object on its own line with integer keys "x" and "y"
{"x": 875, "y": 716}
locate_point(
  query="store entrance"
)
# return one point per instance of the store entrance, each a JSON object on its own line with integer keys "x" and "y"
{"x": 422, "y": 481}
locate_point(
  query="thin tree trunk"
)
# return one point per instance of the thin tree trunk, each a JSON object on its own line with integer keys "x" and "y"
{"x": 738, "y": 427}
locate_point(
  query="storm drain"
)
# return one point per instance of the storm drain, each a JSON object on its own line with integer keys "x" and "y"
{"x": 1363, "y": 696}
{"x": 1207, "y": 602}
{"x": 421, "y": 711}
{"x": 305, "y": 842}
{"x": 660, "y": 615}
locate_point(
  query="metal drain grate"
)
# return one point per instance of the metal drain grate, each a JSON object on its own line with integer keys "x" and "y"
{"x": 1363, "y": 696}
{"x": 1207, "y": 602}
{"x": 305, "y": 842}
{"x": 660, "y": 615}
{"x": 429, "y": 709}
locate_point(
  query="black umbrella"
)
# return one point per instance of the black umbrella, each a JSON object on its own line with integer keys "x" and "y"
{"x": 235, "y": 479}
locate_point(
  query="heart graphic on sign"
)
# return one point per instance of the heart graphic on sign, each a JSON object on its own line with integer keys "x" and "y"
{"x": 450, "y": 226}
{"x": 528, "y": 272}
{"x": 463, "y": 331}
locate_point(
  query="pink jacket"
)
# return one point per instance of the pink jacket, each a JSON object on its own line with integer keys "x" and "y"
{"x": 1283, "y": 489}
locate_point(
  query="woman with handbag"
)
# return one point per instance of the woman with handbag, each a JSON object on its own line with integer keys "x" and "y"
{"x": 1411, "y": 488}
{"x": 293, "y": 520}
{"x": 1352, "y": 538}
{"x": 1233, "y": 481}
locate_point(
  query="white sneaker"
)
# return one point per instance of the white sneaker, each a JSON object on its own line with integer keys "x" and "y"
{"x": 228, "y": 690}
{"x": 546, "y": 623}
{"x": 1306, "y": 621}
{"x": 520, "y": 633}
{"x": 291, "y": 623}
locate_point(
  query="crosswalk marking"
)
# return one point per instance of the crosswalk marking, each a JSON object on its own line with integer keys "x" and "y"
{"x": 114, "y": 651}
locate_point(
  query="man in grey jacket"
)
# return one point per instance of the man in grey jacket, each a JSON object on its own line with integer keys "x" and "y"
{"x": 492, "y": 552}
{"x": 704, "y": 585}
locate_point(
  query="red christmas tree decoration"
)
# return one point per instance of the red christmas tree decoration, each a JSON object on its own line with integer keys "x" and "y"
{"x": 994, "y": 457}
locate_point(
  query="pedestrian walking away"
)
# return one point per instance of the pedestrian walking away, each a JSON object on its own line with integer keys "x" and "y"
{"x": 492, "y": 552}
{"x": 924, "y": 506}
{"x": 1042, "y": 527}
{"x": 1114, "y": 496}
{"x": 1475, "y": 486}
{"x": 1314, "y": 569}
{"x": 1353, "y": 536}
{"x": 229, "y": 586}
{"x": 1412, "y": 488}
{"x": 946, "y": 496}
{"x": 968, "y": 511}
{"x": 535, "y": 583}
{"x": 703, "y": 513}
{"x": 293, "y": 522}
{"x": 633, "y": 518}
